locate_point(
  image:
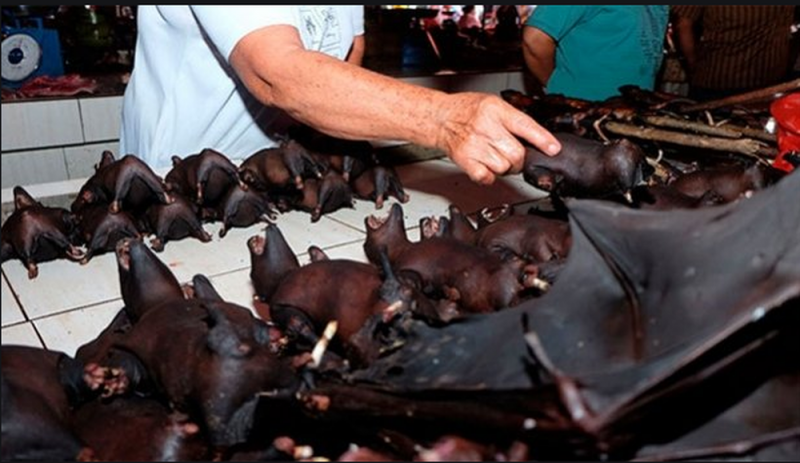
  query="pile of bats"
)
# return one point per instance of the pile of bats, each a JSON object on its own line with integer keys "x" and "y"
{"x": 125, "y": 198}
{"x": 738, "y": 125}
{"x": 611, "y": 332}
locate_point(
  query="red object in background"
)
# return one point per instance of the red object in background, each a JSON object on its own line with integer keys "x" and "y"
{"x": 44, "y": 86}
{"x": 786, "y": 112}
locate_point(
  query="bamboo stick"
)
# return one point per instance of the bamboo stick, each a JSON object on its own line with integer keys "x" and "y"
{"x": 743, "y": 98}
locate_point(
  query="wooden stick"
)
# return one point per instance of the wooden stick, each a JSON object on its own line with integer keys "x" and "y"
{"x": 744, "y": 146}
{"x": 748, "y": 97}
{"x": 699, "y": 127}
{"x": 322, "y": 344}
{"x": 758, "y": 134}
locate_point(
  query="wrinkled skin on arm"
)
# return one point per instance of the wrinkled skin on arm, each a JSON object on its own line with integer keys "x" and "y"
{"x": 538, "y": 50}
{"x": 478, "y": 131}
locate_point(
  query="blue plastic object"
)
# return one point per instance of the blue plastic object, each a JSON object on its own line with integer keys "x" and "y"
{"x": 51, "y": 63}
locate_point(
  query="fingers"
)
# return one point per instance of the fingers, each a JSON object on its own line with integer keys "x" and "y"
{"x": 525, "y": 127}
{"x": 512, "y": 153}
{"x": 497, "y": 158}
{"x": 478, "y": 173}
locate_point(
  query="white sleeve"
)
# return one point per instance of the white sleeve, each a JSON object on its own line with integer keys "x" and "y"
{"x": 226, "y": 25}
{"x": 358, "y": 19}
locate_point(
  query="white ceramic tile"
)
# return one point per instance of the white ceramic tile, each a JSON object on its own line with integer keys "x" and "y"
{"x": 39, "y": 124}
{"x": 32, "y": 167}
{"x": 189, "y": 257}
{"x": 46, "y": 190}
{"x": 101, "y": 118}
{"x": 82, "y": 159}
{"x": 236, "y": 288}
{"x": 11, "y": 311}
{"x": 64, "y": 285}
{"x": 420, "y": 205}
{"x": 68, "y": 331}
{"x": 21, "y": 335}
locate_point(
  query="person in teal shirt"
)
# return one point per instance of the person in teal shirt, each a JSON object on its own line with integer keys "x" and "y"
{"x": 589, "y": 52}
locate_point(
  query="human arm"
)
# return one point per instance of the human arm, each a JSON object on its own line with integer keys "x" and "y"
{"x": 539, "y": 51}
{"x": 684, "y": 18}
{"x": 684, "y": 31}
{"x": 478, "y": 131}
{"x": 546, "y": 26}
{"x": 356, "y": 55}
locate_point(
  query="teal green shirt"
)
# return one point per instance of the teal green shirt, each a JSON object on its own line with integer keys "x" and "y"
{"x": 601, "y": 48}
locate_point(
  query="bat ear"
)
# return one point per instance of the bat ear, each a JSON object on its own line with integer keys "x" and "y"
{"x": 22, "y": 199}
{"x": 203, "y": 289}
{"x": 317, "y": 254}
{"x": 107, "y": 158}
{"x": 222, "y": 337}
{"x": 176, "y": 160}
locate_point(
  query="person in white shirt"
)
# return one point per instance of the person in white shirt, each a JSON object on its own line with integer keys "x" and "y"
{"x": 224, "y": 77}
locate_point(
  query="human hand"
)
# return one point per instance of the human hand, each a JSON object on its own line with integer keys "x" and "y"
{"x": 478, "y": 131}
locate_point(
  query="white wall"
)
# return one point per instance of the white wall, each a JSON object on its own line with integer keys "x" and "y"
{"x": 57, "y": 140}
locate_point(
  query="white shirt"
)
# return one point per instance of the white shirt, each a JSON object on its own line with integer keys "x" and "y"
{"x": 183, "y": 95}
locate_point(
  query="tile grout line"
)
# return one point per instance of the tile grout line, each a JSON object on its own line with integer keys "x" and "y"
{"x": 75, "y": 309}
{"x": 16, "y": 297}
{"x": 39, "y": 335}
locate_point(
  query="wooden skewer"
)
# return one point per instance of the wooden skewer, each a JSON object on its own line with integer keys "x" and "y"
{"x": 699, "y": 127}
{"x": 322, "y": 344}
{"x": 744, "y": 146}
{"x": 748, "y": 97}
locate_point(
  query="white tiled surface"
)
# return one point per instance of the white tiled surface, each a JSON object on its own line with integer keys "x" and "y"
{"x": 11, "y": 311}
{"x": 81, "y": 159}
{"x": 68, "y": 331}
{"x": 189, "y": 257}
{"x": 32, "y": 167}
{"x": 235, "y": 287}
{"x": 101, "y": 118}
{"x": 22, "y": 335}
{"x": 40, "y": 124}
{"x": 71, "y": 304}
{"x": 64, "y": 285}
